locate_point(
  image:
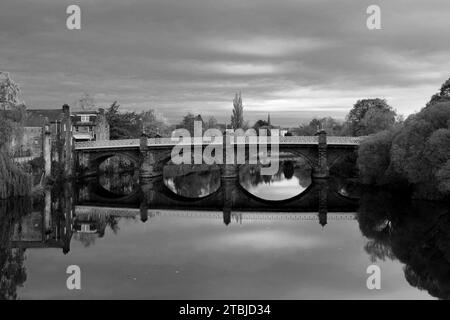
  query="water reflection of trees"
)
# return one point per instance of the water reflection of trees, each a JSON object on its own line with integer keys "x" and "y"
{"x": 12, "y": 270}
{"x": 250, "y": 175}
{"x": 100, "y": 223}
{"x": 415, "y": 233}
{"x": 119, "y": 183}
{"x": 192, "y": 181}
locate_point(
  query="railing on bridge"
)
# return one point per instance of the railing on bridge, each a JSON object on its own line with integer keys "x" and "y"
{"x": 292, "y": 140}
{"x": 100, "y": 144}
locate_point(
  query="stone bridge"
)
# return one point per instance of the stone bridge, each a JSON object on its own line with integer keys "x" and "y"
{"x": 151, "y": 154}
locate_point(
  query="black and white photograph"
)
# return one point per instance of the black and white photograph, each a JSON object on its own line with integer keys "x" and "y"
{"x": 224, "y": 154}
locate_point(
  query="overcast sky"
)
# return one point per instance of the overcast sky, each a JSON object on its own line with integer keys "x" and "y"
{"x": 293, "y": 58}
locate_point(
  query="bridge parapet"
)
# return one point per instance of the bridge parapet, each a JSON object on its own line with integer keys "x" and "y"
{"x": 292, "y": 140}
{"x": 124, "y": 143}
{"x": 338, "y": 140}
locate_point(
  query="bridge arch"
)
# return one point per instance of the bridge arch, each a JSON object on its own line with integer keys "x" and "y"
{"x": 100, "y": 158}
{"x": 306, "y": 154}
{"x": 336, "y": 156}
{"x": 91, "y": 161}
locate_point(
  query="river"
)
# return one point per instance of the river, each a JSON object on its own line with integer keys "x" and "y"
{"x": 130, "y": 241}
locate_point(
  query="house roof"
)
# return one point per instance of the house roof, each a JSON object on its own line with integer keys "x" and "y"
{"x": 36, "y": 117}
{"x": 75, "y": 112}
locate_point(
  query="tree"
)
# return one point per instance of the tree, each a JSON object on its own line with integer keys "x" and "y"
{"x": 370, "y": 116}
{"x": 6, "y": 129}
{"x": 129, "y": 125}
{"x": 376, "y": 120}
{"x": 122, "y": 125}
{"x": 374, "y": 158}
{"x": 416, "y": 152}
{"x": 188, "y": 122}
{"x": 421, "y": 148}
{"x": 445, "y": 89}
{"x": 86, "y": 102}
{"x": 260, "y": 123}
{"x": 9, "y": 91}
{"x": 443, "y": 177}
{"x": 237, "y": 118}
{"x": 330, "y": 125}
{"x": 211, "y": 123}
{"x": 443, "y": 94}
{"x": 154, "y": 124}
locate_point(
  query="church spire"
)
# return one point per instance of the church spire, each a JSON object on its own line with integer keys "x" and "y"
{"x": 268, "y": 119}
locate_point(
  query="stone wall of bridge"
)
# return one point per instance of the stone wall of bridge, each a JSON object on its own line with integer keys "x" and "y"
{"x": 151, "y": 154}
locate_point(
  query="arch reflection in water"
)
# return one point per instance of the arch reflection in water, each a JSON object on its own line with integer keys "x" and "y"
{"x": 192, "y": 181}
{"x": 119, "y": 184}
{"x": 293, "y": 178}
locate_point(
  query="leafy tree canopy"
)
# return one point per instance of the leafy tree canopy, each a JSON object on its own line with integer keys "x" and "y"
{"x": 237, "y": 118}
{"x": 370, "y": 116}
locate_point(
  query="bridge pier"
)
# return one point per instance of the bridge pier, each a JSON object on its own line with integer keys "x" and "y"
{"x": 229, "y": 180}
{"x": 83, "y": 163}
{"x": 47, "y": 150}
{"x": 150, "y": 165}
{"x": 68, "y": 142}
{"x": 151, "y": 189}
{"x": 323, "y": 201}
{"x": 229, "y": 171}
{"x": 320, "y": 170}
{"x": 143, "y": 207}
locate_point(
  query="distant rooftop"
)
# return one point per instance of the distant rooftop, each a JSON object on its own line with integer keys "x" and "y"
{"x": 36, "y": 117}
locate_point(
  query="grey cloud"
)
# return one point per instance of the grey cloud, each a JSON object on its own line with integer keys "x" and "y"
{"x": 193, "y": 55}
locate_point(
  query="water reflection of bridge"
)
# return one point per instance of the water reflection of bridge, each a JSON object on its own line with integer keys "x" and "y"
{"x": 154, "y": 198}
{"x": 321, "y": 195}
{"x": 88, "y": 210}
{"x": 92, "y": 212}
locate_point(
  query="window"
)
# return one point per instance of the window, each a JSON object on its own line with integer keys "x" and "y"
{"x": 84, "y": 118}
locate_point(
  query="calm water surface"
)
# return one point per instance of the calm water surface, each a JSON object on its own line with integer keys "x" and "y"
{"x": 193, "y": 254}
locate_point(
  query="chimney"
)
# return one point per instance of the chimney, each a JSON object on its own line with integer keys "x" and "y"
{"x": 66, "y": 109}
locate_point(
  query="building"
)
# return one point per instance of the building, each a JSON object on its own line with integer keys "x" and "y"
{"x": 34, "y": 126}
{"x": 50, "y": 133}
{"x": 90, "y": 125}
{"x": 84, "y": 126}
